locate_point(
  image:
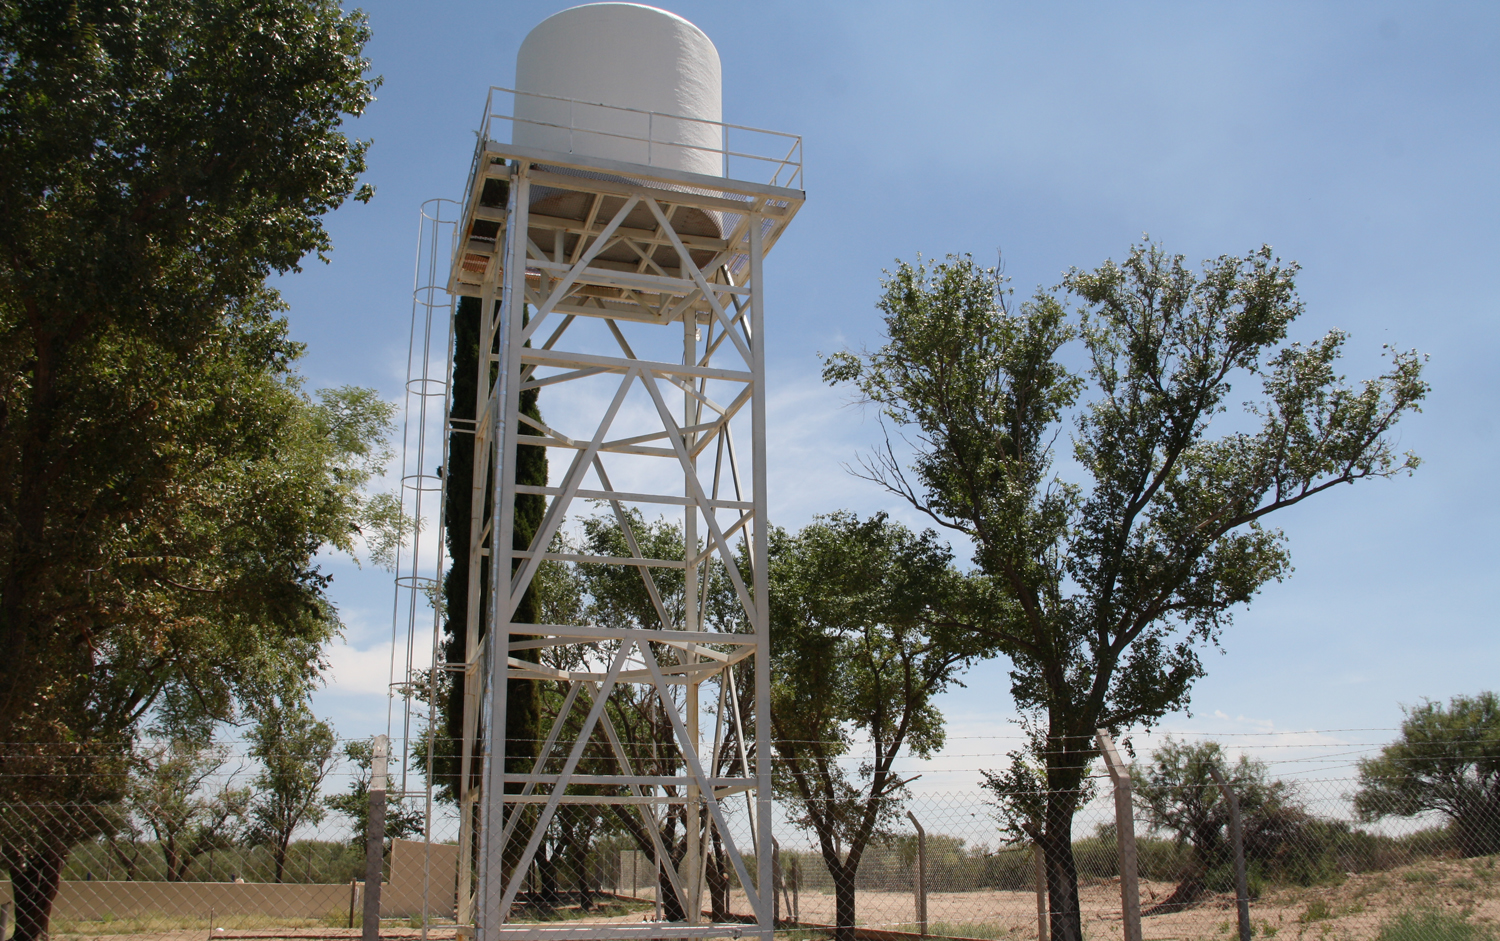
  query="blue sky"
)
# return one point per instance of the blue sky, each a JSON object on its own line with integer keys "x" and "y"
{"x": 1360, "y": 139}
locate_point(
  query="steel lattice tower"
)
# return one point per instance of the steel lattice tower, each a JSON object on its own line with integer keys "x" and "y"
{"x": 643, "y": 292}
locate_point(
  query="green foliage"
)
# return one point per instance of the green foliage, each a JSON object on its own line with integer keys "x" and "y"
{"x": 157, "y": 518}
{"x": 470, "y": 374}
{"x": 348, "y": 436}
{"x": 1178, "y": 794}
{"x": 296, "y": 752}
{"x": 166, "y": 795}
{"x": 1317, "y": 910}
{"x": 879, "y": 601}
{"x": 1104, "y": 589}
{"x": 617, "y": 596}
{"x": 157, "y": 161}
{"x": 457, "y": 517}
{"x": 324, "y": 862}
{"x": 1022, "y": 797}
{"x": 1431, "y": 924}
{"x": 338, "y": 918}
{"x": 402, "y": 818}
{"x": 1284, "y": 844}
{"x": 1447, "y": 760}
{"x": 966, "y": 929}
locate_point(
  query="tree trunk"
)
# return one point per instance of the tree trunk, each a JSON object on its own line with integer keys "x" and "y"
{"x": 671, "y": 905}
{"x": 175, "y": 864}
{"x": 717, "y": 878}
{"x": 129, "y": 863}
{"x": 843, "y": 903}
{"x": 585, "y": 882}
{"x": 1066, "y": 922}
{"x": 34, "y": 884}
{"x": 280, "y": 856}
{"x": 548, "y": 899}
{"x": 576, "y": 834}
{"x": 1189, "y": 890}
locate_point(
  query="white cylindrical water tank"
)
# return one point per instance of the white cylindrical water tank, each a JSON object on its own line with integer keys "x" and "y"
{"x": 630, "y": 56}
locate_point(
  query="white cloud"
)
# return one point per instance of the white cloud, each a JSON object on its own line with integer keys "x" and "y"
{"x": 359, "y": 672}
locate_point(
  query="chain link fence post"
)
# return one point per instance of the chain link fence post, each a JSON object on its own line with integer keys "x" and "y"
{"x": 1130, "y": 891}
{"x": 921, "y": 880}
{"x": 1237, "y": 840}
{"x": 375, "y": 838}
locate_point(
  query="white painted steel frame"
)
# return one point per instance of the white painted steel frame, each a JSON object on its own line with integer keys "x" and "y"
{"x": 721, "y": 288}
{"x": 775, "y": 151}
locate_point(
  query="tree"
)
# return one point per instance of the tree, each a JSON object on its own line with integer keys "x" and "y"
{"x": 171, "y": 793}
{"x": 874, "y": 602}
{"x": 522, "y": 710}
{"x": 296, "y": 754}
{"x": 401, "y": 818}
{"x": 157, "y": 162}
{"x": 1448, "y": 761}
{"x": 1106, "y": 588}
{"x": 203, "y": 610}
{"x": 1177, "y": 793}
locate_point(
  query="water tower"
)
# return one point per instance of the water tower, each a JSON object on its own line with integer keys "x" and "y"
{"x": 613, "y": 230}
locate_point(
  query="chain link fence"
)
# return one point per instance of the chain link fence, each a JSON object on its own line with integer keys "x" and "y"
{"x": 213, "y": 847}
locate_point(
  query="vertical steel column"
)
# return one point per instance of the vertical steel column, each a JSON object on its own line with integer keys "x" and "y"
{"x": 764, "y": 916}
{"x": 375, "y": 838}
{"x": 693, "y": 860}
{"x": 1237, "y": 841}
{"x": 921, "y": 875}
{"x": 504, "y": 405}
{"x": 484, "y": 452}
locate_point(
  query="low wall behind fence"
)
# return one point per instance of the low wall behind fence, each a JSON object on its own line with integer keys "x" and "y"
{"x": 414, "y": 876}
{"x": 98, "y": 900}
{"x": 421, "y": 870}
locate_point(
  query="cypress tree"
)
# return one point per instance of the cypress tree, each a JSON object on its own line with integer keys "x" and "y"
{"x": 523, "y": 707}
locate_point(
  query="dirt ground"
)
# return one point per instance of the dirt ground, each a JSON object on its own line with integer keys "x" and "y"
{"x": 1352, "y": 910}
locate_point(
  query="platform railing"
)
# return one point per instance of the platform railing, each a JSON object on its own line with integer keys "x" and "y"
{"x": 777, "y": 153}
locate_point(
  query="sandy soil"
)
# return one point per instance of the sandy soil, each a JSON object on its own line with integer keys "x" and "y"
{"x": 1353, "y": 910}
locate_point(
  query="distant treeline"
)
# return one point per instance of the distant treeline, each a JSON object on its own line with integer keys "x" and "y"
{"x": 1322, "y": 853}
{"x": 308, "y": 861}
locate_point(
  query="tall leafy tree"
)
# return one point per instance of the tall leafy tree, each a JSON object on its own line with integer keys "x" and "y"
{"x": 1447, "y": 761}
{"x": 157, "y": 161}
{"x": 296, "y": 753}
{"x": 163, "y": 483}
{"x": 173, "y": 793}
{"x": 1108, "y": 585}
{"x": 197, "y": 613}
{"x": 873, "y": 603}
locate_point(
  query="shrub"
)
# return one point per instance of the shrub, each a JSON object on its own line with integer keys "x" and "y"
{"x": 1433, "y": 925}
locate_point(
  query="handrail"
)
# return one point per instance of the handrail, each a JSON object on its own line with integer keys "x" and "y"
{"x": 789, "y": 162}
